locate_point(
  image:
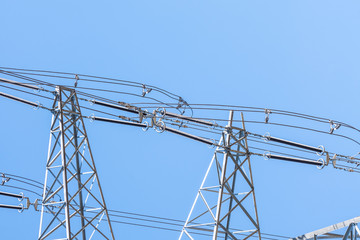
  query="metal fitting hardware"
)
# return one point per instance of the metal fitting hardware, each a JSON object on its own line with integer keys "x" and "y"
{"x": 145, "y": 90}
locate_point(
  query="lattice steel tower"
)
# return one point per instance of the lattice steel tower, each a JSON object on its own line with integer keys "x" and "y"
{"x": 225, "y": 205}
{"x": 73, "y": 206}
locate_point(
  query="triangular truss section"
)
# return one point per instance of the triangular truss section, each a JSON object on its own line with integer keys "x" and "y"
{"x": 347, "y": 230}
{"x": 73, "y": 205}
{"x": 225, "y": 205}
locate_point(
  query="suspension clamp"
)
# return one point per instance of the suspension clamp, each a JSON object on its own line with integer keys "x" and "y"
{"x": 267, "y": 115}
{"x": 76, "y": 80}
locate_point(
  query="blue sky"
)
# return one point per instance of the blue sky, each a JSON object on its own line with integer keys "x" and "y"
{"x": 301, "y": 56}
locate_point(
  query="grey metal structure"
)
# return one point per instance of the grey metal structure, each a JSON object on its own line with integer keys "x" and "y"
{"x": 225, "y": 205}
{"x": 73, "y": 204}
{"x": 332, "y": 232}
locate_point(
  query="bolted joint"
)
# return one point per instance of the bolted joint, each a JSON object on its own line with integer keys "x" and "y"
{"x": 228, "y": 130}
{"x": 227, "y": 149}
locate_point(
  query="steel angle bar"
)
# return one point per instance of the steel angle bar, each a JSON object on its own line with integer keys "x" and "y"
{"x": 188, "y": 135}
{"x": 201, "y": 224}
{"x": 19, "y": 99}
{"x": 292, "y": 159}
{"x": 119, "y": 122}
{"x": 222, "y": 178}
{"x": 295, "y": 144}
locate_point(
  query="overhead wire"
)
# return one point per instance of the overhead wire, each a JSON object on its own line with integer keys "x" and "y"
{"x": 224, "y": 107}
{"x": 198, "y": 125}
{"x": 260, "y": 110}
{"x": 115, "y": 213}
{"x": 279, "y": 124}
{"x": 93, "y": 89}
{"x": 251, "y": 139}
{"x": 282, "y": 153}
{"x": 185, "y": 105}
{"x": 193, "y": 126}
{"x": 112, "y": 79}
{"x": 27, "y": 92}
{"x": 20, "y": 188}
{"x": 283, "y": 125}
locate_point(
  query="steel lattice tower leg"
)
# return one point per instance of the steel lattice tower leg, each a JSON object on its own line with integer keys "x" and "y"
{"x": 225, "y": 205}
{"x": 73, "y": 204}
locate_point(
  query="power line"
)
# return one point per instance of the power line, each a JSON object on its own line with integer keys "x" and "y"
{"x": 144, "y": 216}
{"x": 201, "y": 106}
{"x": 119, "y": 81}
{"x": 177, "y": 121}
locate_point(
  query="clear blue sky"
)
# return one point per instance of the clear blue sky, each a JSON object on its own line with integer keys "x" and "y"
{"x": 301, "y": 56}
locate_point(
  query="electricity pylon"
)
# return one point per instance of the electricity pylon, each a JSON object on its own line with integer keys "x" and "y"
{"x": 73, "y": 204}
{"x": 348, "y": 230}
{"x": 225, "y": 205}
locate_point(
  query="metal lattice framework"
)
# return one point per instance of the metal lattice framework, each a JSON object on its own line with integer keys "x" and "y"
{"x": 225, "y": 205}
{"x": 73, "y": 205}
{"x": 348, "y": 229}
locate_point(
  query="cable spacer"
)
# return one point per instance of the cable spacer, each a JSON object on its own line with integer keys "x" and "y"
{"x": 266, "y": 155}
{"x": 145, "y": 114}
{"x": 92, "y": 117}
{"x": 180, "y": 103}
{"x": 146, "y": 128}
{"x": 4, "y": 179}
{"x": 160, "y": 126}
{"x": 323, "y": 150}
{"x": 266, "y": 137}
{"x": 214, "y": 124}
{"x": 22, "y": 197}
{"x": 38, "y": 106}
{"x": 333, "y": 126}
{"x": 323, "y": 164}
{"x": 145, "y": 90}
{"x": 213, "y": 143}
{"x": 181, "y": 124}
{"x": 22, "y": 208}
{"x": 161, "y": 111}
{"x": 38, "y": 90}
